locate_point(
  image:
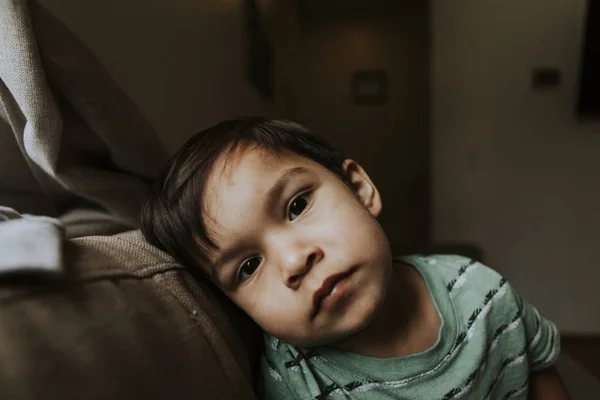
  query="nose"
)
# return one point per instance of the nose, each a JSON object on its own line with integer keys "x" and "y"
{"x": 296, "y": 260}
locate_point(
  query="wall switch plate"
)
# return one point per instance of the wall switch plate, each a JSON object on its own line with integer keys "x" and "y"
{"x": 545, "y": 78}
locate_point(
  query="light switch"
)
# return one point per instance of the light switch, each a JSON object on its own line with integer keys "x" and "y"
{"x": 545, "y": 78}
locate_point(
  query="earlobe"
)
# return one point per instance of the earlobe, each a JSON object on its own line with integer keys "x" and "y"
{"x": 363, "y": 187}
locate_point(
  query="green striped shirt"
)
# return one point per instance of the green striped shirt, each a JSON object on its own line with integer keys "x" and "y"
{"x": 490, "y": 340}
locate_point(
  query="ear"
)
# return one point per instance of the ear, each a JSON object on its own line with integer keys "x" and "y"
{"x": 363, "y": 187}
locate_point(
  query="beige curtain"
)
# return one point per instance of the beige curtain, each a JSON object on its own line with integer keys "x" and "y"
{"x": 70, "y": 139}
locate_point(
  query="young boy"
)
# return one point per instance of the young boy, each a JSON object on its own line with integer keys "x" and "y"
{"x": 286, "y": 227}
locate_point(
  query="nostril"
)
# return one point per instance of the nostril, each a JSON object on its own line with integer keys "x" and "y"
{"x": 312, "y": 258}
{"x": 294, "y": 279}
{"x": 315, "y": 257}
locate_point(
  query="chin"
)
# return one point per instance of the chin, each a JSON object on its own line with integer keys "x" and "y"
{"x": 367, "y": 315}
{"x": 308, "y": 339}
{"x": 344, "y": 330}
{"x": 366, "y": 309}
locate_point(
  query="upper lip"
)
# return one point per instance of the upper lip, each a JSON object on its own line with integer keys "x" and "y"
{"x": 326, "y": 288}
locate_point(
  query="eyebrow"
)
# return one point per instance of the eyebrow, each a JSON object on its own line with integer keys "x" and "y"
{"x": 276, "y": 190}
{"x": 273, "y": 194}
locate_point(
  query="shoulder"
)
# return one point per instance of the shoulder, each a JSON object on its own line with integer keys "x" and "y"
{"x": 467, "y": 281}
{"x": 454, "y": 270}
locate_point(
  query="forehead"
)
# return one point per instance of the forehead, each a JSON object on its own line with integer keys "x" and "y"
{"x": 237, "y": 185}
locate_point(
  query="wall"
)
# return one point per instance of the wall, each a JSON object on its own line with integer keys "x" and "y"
{"x": 181, "y": 61}
{"x": 317, "y": 51}
{"x": 512, "y": 168}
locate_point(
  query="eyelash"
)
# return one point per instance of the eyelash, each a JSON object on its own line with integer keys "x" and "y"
{"x": 300, "y": 194}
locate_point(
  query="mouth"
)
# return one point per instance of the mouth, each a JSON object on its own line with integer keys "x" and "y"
{"x": 328, "y": 287}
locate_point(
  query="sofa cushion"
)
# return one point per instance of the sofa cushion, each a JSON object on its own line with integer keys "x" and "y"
{"x": 125, "y": 322}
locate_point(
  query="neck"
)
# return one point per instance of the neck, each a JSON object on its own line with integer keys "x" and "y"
{"x": 392, "y": 323}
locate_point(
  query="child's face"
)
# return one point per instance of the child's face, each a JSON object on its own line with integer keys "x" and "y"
{"x": 288, "y": 230}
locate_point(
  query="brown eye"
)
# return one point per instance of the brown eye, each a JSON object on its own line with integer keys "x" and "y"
{"x": 297, "y": 206}
{"x": 248, "y": 267}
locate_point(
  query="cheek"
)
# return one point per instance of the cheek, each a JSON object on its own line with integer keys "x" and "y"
{"x": 349, "y": 223}
{"x": 274, "y": 310}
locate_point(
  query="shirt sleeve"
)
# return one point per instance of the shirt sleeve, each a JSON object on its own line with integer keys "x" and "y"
{"x": 543, "y": 338}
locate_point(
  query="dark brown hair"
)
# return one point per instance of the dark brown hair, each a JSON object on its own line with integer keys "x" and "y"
{"x": 172, "y": 218}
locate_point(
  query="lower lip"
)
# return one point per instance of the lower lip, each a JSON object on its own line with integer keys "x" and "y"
{"x": 339, "y": 291}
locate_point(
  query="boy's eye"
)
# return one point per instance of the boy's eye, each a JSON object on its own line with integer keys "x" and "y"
{"x": 248, "y": 267}
{"x": 297, "y": 206}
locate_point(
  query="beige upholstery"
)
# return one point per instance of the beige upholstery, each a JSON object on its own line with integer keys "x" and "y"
{"x": 125, "y": 323}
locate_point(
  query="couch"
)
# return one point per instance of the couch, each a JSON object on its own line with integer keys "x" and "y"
{"x": 124, "y": 321}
